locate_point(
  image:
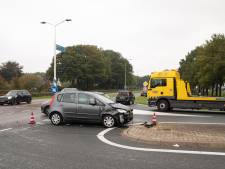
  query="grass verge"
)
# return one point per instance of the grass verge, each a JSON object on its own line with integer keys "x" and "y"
{"x": 141, "y": 100}
{"x": 41, "y": 97}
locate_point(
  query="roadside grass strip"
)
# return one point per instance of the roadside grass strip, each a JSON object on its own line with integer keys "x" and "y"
{"x": 101, "y": 137}
{"x": 145, "y": 112}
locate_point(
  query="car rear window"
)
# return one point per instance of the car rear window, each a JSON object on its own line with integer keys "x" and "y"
{"x": 25, "y": 92}
{"x": 68, "y": 98}
{"x": 59, "y": 97}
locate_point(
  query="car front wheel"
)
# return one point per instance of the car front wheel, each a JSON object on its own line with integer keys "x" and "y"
{"x": 108, "y": 121}
{"x": 13, "y": 102}
{"x": 56, "y": 119}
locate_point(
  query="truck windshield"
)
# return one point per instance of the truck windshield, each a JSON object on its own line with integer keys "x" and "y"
{"x": 158, "y": 82}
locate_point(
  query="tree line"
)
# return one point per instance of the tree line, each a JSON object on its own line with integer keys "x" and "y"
{"x": 88, "y": 67}
{"x": 85, "y": 67}
{"x": 204, "y": 67}
{"x": 13, "y": 77}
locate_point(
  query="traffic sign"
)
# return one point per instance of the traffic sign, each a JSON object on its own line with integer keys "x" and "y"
{"x": 145, "y": 83}
{"x": 60, "y": 48}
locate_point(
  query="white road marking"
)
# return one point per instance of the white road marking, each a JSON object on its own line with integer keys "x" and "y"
{"x": 46, "y": 120}
{"x": 171, "y": 122}
{"x": 145, "y": 112}
{"x": 176, "y": 145}
{"x": 103, "y": 139}
{"x": 5, "y": 129}
{"x": 39, "y": 123}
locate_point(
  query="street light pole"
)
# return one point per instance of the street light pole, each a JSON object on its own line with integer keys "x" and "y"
{"x": 54, "y": 52}
{"x": 54, "y": 79}
{"x": 125, "y": 77}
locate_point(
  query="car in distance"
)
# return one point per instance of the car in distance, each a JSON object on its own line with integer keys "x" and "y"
{"x": 16, "y": 97}
{"x": 144, "y": 93}
{"x": 125, "y": 97}
{"x": 87, "y": 107}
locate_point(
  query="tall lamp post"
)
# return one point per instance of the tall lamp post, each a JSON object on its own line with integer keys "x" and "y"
{"x": 54, "y": 26}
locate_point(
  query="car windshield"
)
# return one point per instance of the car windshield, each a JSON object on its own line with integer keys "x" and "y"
{"x": 104, "y": 99}
{"x": 12, "y": 92}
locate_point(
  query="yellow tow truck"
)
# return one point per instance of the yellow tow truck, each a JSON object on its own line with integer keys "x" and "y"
{"x": 167, "y": 90}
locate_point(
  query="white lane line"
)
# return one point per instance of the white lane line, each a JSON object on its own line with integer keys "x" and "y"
{"x": 192, "y": 123}
{"x": 5, "y": 129}
{"x": 145, "y": 112}
{"x": 46, "y": 120}
{"x": 103, "y": 139}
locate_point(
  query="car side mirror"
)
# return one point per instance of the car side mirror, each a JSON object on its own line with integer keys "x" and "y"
{"x": 92, "y": 101}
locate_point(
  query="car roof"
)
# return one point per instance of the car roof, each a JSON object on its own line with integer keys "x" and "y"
{"x": 76, "y": 91}
{"x": 69, "y": 89}
{"x": 19, "y": 90}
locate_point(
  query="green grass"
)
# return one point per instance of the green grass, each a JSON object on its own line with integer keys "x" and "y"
{"x": 141, "y": 100}
{"x": 41, "y": 97}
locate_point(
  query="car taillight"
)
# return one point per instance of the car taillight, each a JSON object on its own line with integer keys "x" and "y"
{"x": 52, "y": 100}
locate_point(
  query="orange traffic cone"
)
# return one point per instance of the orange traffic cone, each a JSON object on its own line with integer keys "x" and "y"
{"x": 32, "y": 120}
{"x": 154, "y": 120}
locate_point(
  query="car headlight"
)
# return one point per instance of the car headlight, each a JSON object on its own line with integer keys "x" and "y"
{"x": 9, "y": 97}
{"x": 121, "y": 111}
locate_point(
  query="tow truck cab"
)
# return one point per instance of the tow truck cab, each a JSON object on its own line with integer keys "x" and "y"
{"x": 167, "y": 90}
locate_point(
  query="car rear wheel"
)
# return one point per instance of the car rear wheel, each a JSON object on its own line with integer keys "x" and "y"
{"x": 108, "y": 121}
{"x": 28, "y": 101}
{"x": 56, "y": 119}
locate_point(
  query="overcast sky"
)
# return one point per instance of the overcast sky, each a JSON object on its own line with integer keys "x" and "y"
{"x": 155, "y": 34}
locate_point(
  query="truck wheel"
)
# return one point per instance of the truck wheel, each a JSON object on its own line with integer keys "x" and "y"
{"x": 163, "y": 105}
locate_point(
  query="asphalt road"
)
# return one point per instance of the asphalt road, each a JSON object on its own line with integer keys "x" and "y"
{"x": 180, "y": 116}
{"x": 18, "y": 115}
{"x": 76, "y": 145}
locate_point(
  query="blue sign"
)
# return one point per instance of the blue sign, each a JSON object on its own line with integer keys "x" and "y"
{"x": 60, "y": 48}
{"x": 54, "y": 87}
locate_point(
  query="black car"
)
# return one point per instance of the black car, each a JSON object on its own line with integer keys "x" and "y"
{"x": 144, "y": 93}
{"x": 87, "y": 107}
{"x": 16, "y": 97}
{"x": 125, "y": 97}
